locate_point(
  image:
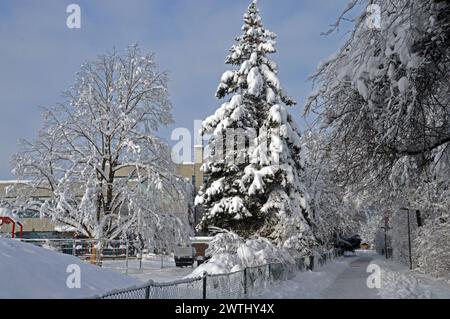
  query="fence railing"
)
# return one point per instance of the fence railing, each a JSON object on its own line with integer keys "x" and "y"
{"x": 236, "y": 285}
{"x": 119, "y": 255}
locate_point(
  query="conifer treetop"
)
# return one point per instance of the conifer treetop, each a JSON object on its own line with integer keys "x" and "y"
{"x": 255, "y": 68}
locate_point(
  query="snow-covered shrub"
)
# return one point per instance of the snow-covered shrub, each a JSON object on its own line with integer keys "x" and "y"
{"x": 302, "y": 243}
{"x": 433, "y": 247}
{"x": 229, "y": 252}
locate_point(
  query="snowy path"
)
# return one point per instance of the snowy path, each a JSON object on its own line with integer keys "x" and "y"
{"x": 308, "y": 284}
{"x": 345, "y": 278}
{"x": 351, "y": 283}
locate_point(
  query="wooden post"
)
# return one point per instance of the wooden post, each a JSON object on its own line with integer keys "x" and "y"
{"x": 93, "y": 259}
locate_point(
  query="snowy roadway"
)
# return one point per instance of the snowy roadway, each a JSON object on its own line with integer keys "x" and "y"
{"x": 346, "y": 277}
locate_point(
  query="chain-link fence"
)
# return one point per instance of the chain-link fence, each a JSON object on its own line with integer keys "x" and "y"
{"x": 237, "y": 285}
{"x": 117, "y": 255}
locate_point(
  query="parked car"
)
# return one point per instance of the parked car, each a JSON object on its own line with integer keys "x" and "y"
{"x": 184, "y": 256}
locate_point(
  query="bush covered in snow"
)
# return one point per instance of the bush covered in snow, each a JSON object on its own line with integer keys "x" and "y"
{"x": 230, "y": 252}
{"x": 432, "y": 247}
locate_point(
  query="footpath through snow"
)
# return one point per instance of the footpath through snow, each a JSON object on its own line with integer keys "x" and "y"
{"x": 28, "y": 271}
{"x": 346, "y": 278}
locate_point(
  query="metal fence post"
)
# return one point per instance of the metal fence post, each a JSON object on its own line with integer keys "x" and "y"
{"x": 245, "y": 281}
{"x": 147, "y": 291}
{"x": 99, "y": 250}
{"x": 126, "y": 259}
{"x": 204, "y": 284}
{"x": 140, "y": 257}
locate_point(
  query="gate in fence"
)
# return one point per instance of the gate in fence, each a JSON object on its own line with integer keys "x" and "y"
{"x": 236, "y": 285}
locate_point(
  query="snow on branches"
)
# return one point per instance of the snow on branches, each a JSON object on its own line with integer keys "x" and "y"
{"x": 97, "y": 157}
{"x": 230, "y": 252}
{"x": 253, "y": 183}
{"x": 383, "y": 101}
{"x": 385, "y": 94}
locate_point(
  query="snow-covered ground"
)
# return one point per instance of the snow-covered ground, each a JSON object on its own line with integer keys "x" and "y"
{"x": 346, "y": 277}
{"x": 28, "y": 271}
{"x": 397, "y": 281}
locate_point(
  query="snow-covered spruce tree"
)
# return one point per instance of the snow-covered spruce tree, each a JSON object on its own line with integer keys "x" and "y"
{"x": 97, "y": 156}
{"x": 253, "y": 184}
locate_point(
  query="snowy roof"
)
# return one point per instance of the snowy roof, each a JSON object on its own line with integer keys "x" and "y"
{"x": 14, "y": 181}
{"x": 200, "y": 239}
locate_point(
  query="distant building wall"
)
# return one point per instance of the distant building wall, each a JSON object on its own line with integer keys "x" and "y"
{"x": 191, "y": 171}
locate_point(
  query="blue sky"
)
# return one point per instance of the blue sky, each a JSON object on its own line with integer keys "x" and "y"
{"x": 39, "y": 55}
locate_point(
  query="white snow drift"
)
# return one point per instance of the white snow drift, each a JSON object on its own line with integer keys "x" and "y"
{"x": 28, "y": 271}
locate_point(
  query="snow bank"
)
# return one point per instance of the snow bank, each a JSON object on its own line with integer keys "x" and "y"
{"x": 398, "y": 282}
{"x": 28, "y": 271}
{"x": 230, "y": 253}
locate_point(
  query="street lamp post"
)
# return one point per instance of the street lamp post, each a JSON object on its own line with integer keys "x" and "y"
{"x": 385, "y": 228}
